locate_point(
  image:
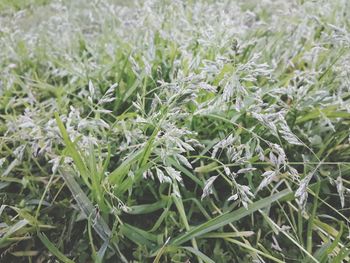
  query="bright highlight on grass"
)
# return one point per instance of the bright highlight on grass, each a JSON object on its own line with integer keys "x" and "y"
{"x": 174, "y": 131}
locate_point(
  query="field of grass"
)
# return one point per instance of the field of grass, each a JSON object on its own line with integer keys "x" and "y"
{"x": 174, "y": 131}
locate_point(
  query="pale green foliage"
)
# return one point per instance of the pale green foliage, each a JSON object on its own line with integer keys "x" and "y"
{"x": 133, "y": 130}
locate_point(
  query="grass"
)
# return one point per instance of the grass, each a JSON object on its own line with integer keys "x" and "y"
{"x": 174, "y": 131}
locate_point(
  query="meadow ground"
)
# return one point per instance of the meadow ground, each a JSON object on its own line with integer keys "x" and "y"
{"x": 174, "y": 131}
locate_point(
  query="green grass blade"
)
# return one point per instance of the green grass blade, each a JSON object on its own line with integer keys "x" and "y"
{"x": 78, "y": 161}
{"x": 53, "y": 249}
{"x": 12, "y": 229}
{"x": 139, "y": 236}
{"x": 322, "y": 253}
{"x": 147, "y": 208}
{"x": 117, "y": 176}
{"x": 85, "y": 205}
{"x": 248, "y": 247}
{"x": 199, "y": 254}
{"x": 230, "y": 217}
{"x": 311, "y": 220}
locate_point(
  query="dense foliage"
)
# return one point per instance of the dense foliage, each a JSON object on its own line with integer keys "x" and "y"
{"x": 174, "y": 131}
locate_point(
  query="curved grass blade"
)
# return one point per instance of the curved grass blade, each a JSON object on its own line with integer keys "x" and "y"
{"x": 199, "y": 254}
{"x": 230, "y": 217}
{"x": 241, "y": 244}
{"x": 53, "y": 249}
{"x": 12, "y": 229}
{"x": 139, "y": 236}
{"x": 147, "y": 208}
{"x": 78, "y": 161}
{"x": 322, "y": 253}
{"x": 86, "y": 206}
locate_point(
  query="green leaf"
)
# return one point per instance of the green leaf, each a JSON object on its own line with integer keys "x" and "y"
{"x": 230, "y": 217}
{"x": 139, "y": 236}
{"x": 322, "y": 253}
{"x": 78, "y": 161}
{"x": 85, "y": 205}
{"x": 53, "y": 249}
{"x": 317, "y": 113}
{"x": 12, "y": 229}
{"x": 147, "y": 208}
{"x": 117, "y": 176}
{"x": 199, "y": 254}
